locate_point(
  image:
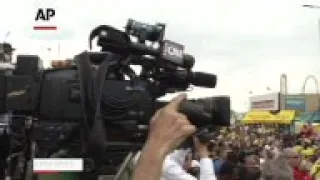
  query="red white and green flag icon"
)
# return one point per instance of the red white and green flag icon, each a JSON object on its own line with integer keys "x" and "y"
{"x": 57, "y": 165}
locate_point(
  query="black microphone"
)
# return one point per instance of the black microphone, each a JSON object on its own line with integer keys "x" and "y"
{"x": 203, "y": 79}
{"x": 188, "y": 61}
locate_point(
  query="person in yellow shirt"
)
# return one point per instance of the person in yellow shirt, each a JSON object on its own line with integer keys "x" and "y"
{"x": 298, "y": 147}
{"x": 307, "y": 162}
{"x": 307, "y": 147}
{"x": 308, "y": 152}
{"x": 315, "y": 170}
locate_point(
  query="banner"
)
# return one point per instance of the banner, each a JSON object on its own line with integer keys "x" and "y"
{"x": 261, "y": 117}
{"x": 295, "y": 103}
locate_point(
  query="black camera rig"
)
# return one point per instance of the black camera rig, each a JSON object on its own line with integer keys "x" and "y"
{"x": 98, "y": 108}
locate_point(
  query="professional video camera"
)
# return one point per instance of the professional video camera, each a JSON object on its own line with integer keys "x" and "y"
{"x": 101, "y": 104}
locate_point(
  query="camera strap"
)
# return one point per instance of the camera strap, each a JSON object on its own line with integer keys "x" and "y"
{"x": 85, "y": 78}
{"x": 98, "y": 140}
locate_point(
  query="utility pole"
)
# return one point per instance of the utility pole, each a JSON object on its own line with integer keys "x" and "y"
{"x": 6, "y": 36}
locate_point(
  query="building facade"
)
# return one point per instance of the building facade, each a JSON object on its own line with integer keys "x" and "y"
{"x": 277, "y": 108}
{"x": 277, "y": 101}
{"x": 300, "y": 102}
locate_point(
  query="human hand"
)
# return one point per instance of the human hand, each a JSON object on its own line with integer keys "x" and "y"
{"x": 168, "y": 127}
{"x": 188, "y": 162}
{"x": 201, "y": 148}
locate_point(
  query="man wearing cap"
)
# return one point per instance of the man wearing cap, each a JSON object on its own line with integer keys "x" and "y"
{"x": 307, "y": 131}
{"x": 6, "y": 52}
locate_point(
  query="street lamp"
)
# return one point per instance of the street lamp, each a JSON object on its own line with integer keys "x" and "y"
{"x": 6, "y": 36}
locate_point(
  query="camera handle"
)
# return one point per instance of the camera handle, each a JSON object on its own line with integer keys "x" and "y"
{"x": 127, "y": 162}
{"x": 125, "y": 165}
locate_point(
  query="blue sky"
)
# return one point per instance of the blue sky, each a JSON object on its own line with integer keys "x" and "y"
{"x": 247, "y": 43}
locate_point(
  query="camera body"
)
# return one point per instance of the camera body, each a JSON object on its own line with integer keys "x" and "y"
{"x": 93, "y": 110}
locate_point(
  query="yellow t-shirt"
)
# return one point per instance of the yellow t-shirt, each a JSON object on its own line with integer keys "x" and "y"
{"x": 298, "y": 148}
{"x": 315, "y": 171}
{"x": 308, "y": 152}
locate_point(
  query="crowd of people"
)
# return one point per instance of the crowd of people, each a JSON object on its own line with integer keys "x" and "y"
{"x": 235, "y": 153}
{"x": 251, "y": 153}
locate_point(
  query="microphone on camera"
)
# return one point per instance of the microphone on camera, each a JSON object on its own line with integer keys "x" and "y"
{"x": 203, "y": 79}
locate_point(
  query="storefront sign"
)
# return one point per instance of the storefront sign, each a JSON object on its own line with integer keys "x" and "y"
{"x": 295, "y": 103}
{"x": 256, "y": 117}
{"x": 269, "y": 102}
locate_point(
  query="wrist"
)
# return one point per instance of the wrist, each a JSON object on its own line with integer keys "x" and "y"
{"x": 156, "y": 148}
{"x": 204, "y": 154}
{"x": 151, "y": 159}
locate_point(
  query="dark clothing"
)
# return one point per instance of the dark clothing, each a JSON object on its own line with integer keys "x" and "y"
{"x": 244, "y": 174}
{"x": 227, "y": 171}
{"x": 227, "y": 168}
{"x": 7, "y": 47}
{"x": 4, "y": 153}
{"x": 217, "y": 163}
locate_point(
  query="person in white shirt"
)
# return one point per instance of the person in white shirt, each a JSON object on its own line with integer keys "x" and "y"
{"x": 173, "y": 164}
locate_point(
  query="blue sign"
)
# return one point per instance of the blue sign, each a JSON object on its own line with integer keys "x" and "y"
{"x": 295, "y": 103}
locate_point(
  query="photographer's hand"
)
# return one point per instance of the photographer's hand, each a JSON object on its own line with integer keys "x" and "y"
{"x": 201, "y": 148}
{"x": 206, "y": 165}
{"x": 168, "y": 129}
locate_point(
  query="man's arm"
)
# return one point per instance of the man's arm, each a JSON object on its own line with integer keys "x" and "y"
{"x": 206, "y": 164}
{"x": 149, "y": 166}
